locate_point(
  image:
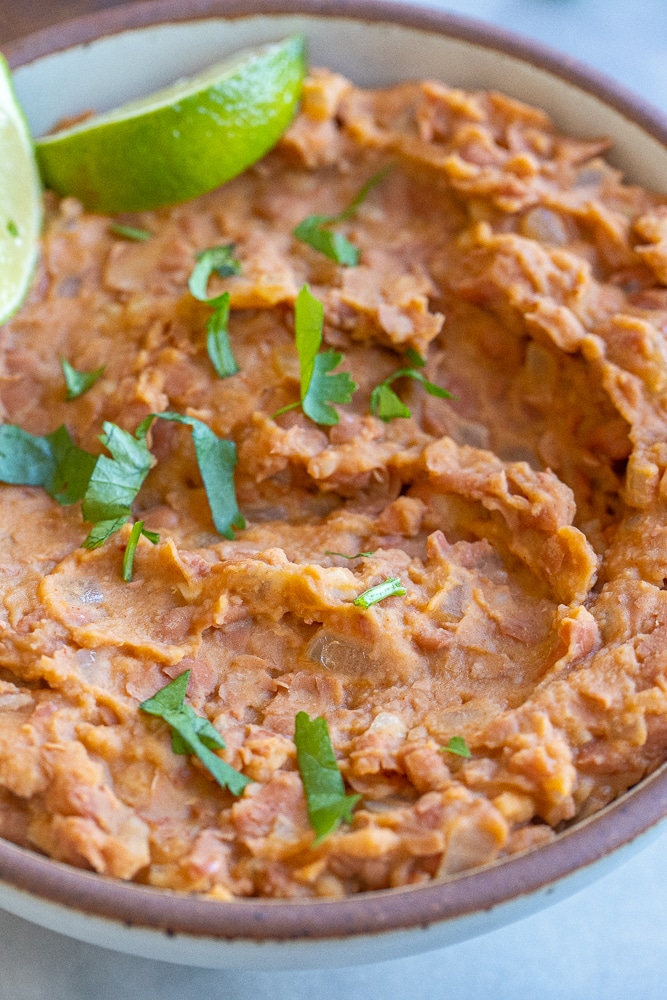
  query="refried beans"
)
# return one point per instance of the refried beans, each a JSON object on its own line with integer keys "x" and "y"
{"x": 524, "y": 517}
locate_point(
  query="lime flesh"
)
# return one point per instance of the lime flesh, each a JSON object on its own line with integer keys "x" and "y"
{"x": 20, "y": 200}
{"x": 181, "y": 141}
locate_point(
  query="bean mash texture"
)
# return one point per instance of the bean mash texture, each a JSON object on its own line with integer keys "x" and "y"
{"x": 525, "y": 517}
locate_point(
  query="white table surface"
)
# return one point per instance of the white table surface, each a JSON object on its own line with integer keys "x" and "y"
{"x": 609, "y": 940}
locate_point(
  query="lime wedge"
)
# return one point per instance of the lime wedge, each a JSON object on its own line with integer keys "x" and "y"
{"x": 181, "y": 141}
{"x": 20, "y": 200}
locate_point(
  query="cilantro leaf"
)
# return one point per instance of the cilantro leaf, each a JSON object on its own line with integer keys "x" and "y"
{"x": 326, "y": 800}
{"x": 78, "y": 382}
{"x": 217, "y": 340}
{"x": 415, "y": 358}
{"x": 130, "y": 232}
{"x": 318, "y": 387}
{"x": 386, "y": 405}
{"x": 12, "y": 228}
{"x": 333, "y": 245}
{"x": 391, "y": 587}
{"x": 308, "y": 323}
{"x": 314, "y": 230}
{"x": 53, "y": 462}
{"x": 458, "y": 746}
{"x": 131, "y": 547}
{"x": 216, "y": 458}
{"x": 102, "y": 531}
{"x": 220, "y": 260}
{"x": 115, "y": 481}
{"x": 325, "y": 389}
{"x": 193, "y": 734}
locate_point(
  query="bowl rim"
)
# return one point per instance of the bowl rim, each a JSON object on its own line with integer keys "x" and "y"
{"x": 371, "y": 913}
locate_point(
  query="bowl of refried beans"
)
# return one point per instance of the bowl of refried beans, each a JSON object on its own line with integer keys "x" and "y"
{"x": 440, "y": 590}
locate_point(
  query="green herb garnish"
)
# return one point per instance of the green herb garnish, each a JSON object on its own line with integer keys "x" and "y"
{"x": 318, "y": 387}
{"x": 53, "y": 462}
{"x": 220, "y": 260}
{"x": 193, "y": 734}
{"x": 458, "y": 746}
{"x": 415, "y": 358}
{"x": 131, "y": 547}
{"x": 391, "y": 587}
{"x": 130, "y": 232}
{"x": 107, "y": 485}
{"x": 315, "y": 231}
{"x": 216, "y": 458}
{"x": 217, "y": 340}
{"x": 12, "y": 228}
{"x": 78, "y": 382}
{"x": 359, "y": 555}
{"x": 115, "y": 481}
{"x": 386, "y": 404}
{"x": 326, "y": 800}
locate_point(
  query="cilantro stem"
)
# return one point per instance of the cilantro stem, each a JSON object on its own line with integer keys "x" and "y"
{"x": 358, "y": 555}
{"x": 130, "y": 549}
{"x": 391, "y": 587}
{"x": 130, "y": 232}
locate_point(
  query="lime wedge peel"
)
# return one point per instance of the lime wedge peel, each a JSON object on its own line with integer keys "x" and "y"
{"x": 20, "y": 200}
{"x": 183, "y": 140}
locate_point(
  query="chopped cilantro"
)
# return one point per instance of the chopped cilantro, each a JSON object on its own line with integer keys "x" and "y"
{"x": 102, "y": 531}
{"x": 458, "y": 746}
{"x": 415, "y": 358}
{"x": 107, "y": 485}
{"x": 216, "y": 459}
{"x": 386, "y": 404}
{"x": 318, "y": 387}
{"x": 193, "y": 734}
{"x": 217, "y": 340}
{"x": 12, "y": 228}
{"x": 130, "y": 232}
{"x": 359, "y": 555}
{"x": 115, "y": 481}
{"x": 326, "y": 800}
{"x": 53, "y": 462}
{"x": 391, "y": 587}
{"x": 335, "y": 246}
{"x": 220, "y": 260}
{"x": 76, "y": 382}
{"x": 315, "y": 231}
{"x": 131, "y": 547}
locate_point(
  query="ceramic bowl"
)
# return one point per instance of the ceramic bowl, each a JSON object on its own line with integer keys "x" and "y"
{"x": 104, "y": 59}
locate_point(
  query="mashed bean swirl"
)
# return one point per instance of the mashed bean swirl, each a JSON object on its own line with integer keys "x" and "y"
{"x": 525, "y": 517}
